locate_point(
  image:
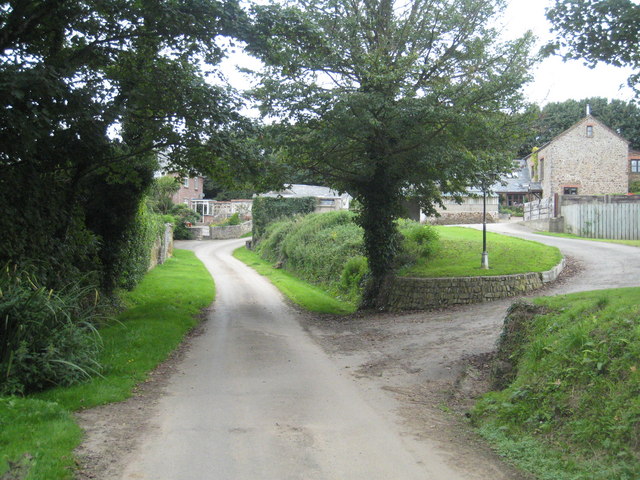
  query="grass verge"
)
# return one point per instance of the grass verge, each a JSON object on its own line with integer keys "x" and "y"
{"x": 631, "y": 243}
{"x": 459, "y": 253}
{"x": 572, "y": 412}
{"x": 38, "y": 433}
{"x": 299, "y": 292}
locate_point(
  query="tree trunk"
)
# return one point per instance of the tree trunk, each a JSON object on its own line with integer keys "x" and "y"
{"x": 380, "y": 207}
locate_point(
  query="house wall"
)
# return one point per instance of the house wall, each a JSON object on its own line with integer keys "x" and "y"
{"x": 594, "y": 165}
{"x": 192, "y": 192}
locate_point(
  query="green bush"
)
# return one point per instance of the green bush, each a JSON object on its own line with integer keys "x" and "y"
{"x": 46, "y": 337}
{"x": 353, "y": 274}
{"x": 512, "y": 210}
{"x": 183, "y": 215}
{"x": 232, "y": 220}
{"x": 135, "y": 252}
{"x": 315, "y": 247}
{"x": 418, "y": 240}
{"x": 634, "y": 187}
{"x": 269, "y": 209}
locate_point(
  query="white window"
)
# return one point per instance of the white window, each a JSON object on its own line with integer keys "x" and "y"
{"x": 635, "y": 166}
{"x": 185, "y": 182}
{"x": 195, "y": 183}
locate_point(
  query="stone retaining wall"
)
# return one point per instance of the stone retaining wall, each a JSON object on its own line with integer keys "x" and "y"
{"x": 232, "y": 231}
{"x": 409, "y": 293}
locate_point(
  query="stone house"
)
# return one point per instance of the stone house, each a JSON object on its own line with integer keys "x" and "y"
{"x": 587, "y": 159}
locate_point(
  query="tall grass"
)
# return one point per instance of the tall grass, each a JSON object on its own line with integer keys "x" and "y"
{"x": 47, "y": 337}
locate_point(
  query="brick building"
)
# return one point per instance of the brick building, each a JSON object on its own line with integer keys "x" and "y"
{"x": 587, "y": 159}
{"x": 190, "y": 189}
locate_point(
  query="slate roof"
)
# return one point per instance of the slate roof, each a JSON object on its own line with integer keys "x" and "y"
{"x": 518, "y": 182}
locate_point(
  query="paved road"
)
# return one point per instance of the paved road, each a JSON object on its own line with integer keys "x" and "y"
{"x": 604, "y": 265}
{"x": 257, "y": 399}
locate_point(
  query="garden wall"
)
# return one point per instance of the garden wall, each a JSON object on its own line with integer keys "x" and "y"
{"x": 231, "y": 231}
{"x": 410, "y": 293}
{"x": 163, "y": 247}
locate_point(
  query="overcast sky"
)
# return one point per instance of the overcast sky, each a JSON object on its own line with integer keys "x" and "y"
{"x": 554, "y": 80}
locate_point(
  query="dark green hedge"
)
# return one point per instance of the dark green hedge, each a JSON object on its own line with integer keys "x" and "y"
{"x": 268, "y": 209}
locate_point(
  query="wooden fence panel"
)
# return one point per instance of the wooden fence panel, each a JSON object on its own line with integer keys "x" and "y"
{"x": 614, "y": 221}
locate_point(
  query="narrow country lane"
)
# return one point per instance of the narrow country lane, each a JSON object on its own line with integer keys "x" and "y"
{"x": 256, "y": 398}
{"x": 603, "y": 265}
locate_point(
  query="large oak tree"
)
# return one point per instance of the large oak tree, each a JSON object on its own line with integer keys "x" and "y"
{"x": 387, "y": 100}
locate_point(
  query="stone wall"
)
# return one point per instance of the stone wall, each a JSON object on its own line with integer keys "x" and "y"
{"x": 461, "y": 218}
{"x": 410, "y": 293}
{"x": 162, "y": 247}
{"x": 231, "y": 231}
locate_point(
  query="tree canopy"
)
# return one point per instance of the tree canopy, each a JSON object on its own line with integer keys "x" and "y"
{"x": 598, "y": 31}
{"x": 388, "y": 99}
{"x": 91, "y": 90}
{"x": 554, "y": 118}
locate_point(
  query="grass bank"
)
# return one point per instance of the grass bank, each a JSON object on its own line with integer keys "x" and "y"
{"x": 632, "y": 243}
{"x": 301, "y": 293}
{"x": 327, "y": 250}
{"x": 38, "y": 433}
{"x": 459, "y": 252}
{"x": 572, "y": 408}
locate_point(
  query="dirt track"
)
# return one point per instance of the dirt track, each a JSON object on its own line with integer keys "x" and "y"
{"x": 407, "y": 378}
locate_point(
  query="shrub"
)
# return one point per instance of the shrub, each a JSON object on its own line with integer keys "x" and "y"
{"x": 46, "y": 337}
{"x": 269, "y": 209}
{"x": 315, "y": 247}
{"x": 353, "y": 274}
{"x": 418, "y": 242}
{"x": 634, "y": 187}
{"x": 135, "y": 252}
{"x": 183, "y": 215}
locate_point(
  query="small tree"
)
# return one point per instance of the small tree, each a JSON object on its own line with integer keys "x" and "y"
{"x": 161, "y": 193}
{"x": 387, "y": 100}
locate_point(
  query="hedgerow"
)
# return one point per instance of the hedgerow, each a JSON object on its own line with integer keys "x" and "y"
{"x": 327, "y": 249}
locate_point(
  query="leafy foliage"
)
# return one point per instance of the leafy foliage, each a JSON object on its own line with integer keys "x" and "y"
{"x": 554, "y": 118}
{"x": 91, "y": 91}
{"x": 46, "y": 337}
{"x": 181, "y": 216}
{"x": 315, "y": 247}
{"x": 576, "y": 384}
{"x": 597, "y": 31}
{"x": 268, "y": 209}
{"x": 159, "y": 199}
{"x": 384, "y": 101}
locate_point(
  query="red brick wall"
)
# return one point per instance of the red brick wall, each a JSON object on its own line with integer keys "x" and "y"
{"x": 191, "y": 192}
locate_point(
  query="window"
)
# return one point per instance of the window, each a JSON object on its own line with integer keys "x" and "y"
{"x": 195, "y": 183}
{"x": 185, "y": 182}
{"x": 589, "y": 131}
{"x": 541, "y": 176}
{"x": 635, "y": 165}
{"x": 570, "y": 190}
